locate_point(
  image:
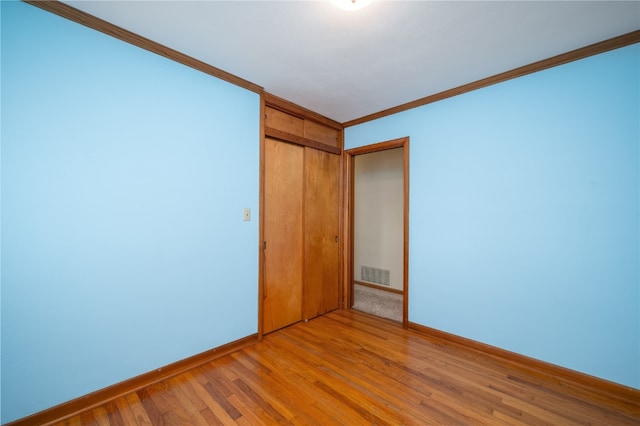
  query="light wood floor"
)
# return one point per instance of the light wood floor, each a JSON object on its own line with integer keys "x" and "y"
{"x": 348, "y": 368}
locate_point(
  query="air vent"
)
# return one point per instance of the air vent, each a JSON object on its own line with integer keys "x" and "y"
{"x": 375, "y": 275}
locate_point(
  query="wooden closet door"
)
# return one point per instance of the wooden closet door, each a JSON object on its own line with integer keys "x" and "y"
{"x": 321, "y": 229}
{"x": 283, "y": 234}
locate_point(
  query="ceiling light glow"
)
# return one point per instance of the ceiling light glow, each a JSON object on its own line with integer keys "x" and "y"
{"x": 351, "y": 5}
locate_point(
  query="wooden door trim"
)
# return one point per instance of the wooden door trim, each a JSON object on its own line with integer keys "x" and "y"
{"x": 308, "y": 117}
{"x": 261, "y": 220}
{"x": 299, "y": 140}
{"x": 298, "y": 111}
{"x": 348, "y": 197}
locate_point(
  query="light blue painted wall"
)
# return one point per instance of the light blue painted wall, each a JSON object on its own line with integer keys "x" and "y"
{"x": 524, "y": 213}
{"x": 124, "y": 178}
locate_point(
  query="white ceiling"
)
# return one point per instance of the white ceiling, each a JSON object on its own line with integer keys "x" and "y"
{"x": 346, "y": 65}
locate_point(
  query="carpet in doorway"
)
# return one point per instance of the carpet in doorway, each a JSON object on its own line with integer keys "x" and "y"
{"x": 381, "y": 303}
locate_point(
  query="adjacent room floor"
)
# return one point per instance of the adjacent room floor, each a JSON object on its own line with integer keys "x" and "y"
{"x": 377, "y": 302}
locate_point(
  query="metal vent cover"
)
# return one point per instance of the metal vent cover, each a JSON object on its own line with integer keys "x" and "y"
{"x": 375, "y": 275}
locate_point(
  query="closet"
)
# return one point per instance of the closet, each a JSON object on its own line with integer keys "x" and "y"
{"x": 301, "y": 215}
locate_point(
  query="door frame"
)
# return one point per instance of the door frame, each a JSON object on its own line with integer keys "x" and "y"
{"x": 348, "y": 191}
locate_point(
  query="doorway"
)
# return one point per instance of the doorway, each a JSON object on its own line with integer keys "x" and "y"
{"x": 376, "y": 250}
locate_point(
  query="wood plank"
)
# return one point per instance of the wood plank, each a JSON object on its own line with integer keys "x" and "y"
{"x": 74, "y": 421}
{"x": 371, "y": 380}
{"x": 284, "y": 122}
{"x": 269, "y": 377}
{"x": 299, "y": 140}
{"x": 114, "y": 414}
{"x": 215, "y": 411}
{"x": 323, "y": 134}
{"x": 187, "y": 401}
{"x": 136, "y": 407}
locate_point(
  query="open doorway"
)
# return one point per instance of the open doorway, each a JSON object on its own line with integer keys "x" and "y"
{"x": 377, "y": 239}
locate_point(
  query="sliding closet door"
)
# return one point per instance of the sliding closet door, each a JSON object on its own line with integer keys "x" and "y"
{"x": 321, "y": 230}
{"x": 283, "y": 236}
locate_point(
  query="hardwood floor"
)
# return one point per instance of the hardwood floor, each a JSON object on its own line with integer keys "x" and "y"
{"x": 348, "y": 368}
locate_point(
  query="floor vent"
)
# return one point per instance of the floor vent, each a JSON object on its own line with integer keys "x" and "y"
{"x": 375, "y": 275}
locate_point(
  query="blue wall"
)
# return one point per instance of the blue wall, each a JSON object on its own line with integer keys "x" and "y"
{"x": 524, "y": 213}
{"x": 124, "y": 178}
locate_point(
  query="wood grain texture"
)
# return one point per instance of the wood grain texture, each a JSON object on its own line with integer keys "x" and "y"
{"x": 284, "y": 122}
{"x": 321, "y": 233}
{"x": 405, "y": 230}
{"x": 283, "y": 234}
{"x": 295, "y": 109}
{"x": 536, "y": 367}
{"x": 376, "y": 147}
{"x": 299, "y": 140}
{"x": 574, "y": 55}
{"x": 261, "y": 221}
{"x": 348, "y": 191}
{"x": 348, "y": 368}
{"x": 83, "y": 18}
{"x": 323, "y": 134}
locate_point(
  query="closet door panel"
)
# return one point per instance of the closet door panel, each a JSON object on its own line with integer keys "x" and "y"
{"x": 284, "y": 122}
{"x": 318, "y": 132}
{"x": 283, "y": 234}
{"x": 321, "y": 228}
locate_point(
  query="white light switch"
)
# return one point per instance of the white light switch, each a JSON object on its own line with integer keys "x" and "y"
{"x": 247, "y": 214}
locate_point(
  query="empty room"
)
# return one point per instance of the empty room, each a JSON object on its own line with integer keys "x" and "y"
{"x": 196, "y": 195}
